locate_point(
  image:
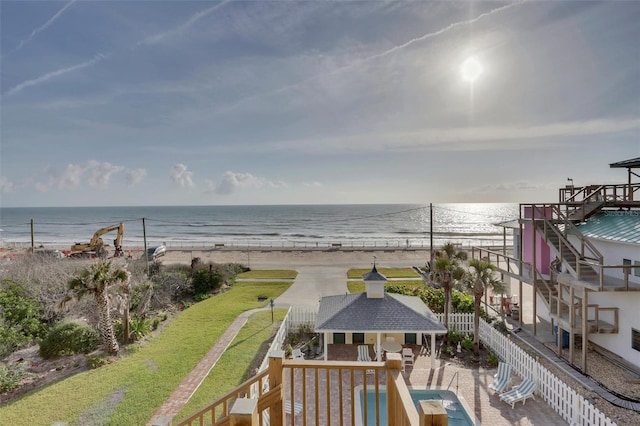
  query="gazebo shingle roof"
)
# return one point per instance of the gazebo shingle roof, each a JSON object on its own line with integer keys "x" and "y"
{"x": 393, "y": 312}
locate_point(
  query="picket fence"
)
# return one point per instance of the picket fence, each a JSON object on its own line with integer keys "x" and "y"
{"x": 573, "y": 408}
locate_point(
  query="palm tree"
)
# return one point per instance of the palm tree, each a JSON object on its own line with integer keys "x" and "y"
{"x": 96, "y": 280}
{"x": 446, "y": 271}
{"x": 481, "y": 276}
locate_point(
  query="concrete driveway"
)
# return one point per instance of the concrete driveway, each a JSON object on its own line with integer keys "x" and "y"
{"x": 312, "y": 283}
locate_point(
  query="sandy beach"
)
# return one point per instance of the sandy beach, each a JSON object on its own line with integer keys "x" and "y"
{"x": 294, "y": 258}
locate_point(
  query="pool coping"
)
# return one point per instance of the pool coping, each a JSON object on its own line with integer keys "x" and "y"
{"x": 358, "y": 412}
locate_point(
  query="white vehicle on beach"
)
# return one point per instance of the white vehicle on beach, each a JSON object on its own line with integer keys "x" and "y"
{"x": 154, "y": 252}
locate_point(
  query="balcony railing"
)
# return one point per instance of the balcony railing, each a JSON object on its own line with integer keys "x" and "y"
{"x": 623, "y": 192}
{"x": 314, "y": 392}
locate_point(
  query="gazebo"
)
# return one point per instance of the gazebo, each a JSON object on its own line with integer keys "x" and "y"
{"x": 365, "y": 318}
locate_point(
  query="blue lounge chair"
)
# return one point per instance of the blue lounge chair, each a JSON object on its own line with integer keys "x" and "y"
{"x": 363, "y": 353}
{"x": 522, "y": 392}
{"x": 502, "y": 378}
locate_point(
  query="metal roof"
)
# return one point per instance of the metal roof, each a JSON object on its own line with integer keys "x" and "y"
{"x": 513, "y": 223}
{"x": 393, "y": 312}
{"x": 620, "y": 226}
{"x": 632, "y": 163}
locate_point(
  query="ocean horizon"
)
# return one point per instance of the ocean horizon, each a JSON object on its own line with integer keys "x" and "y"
{"x": 305, "y": 225}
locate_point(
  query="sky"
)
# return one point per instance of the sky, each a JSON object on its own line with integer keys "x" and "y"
{"x": 111, "y": 103}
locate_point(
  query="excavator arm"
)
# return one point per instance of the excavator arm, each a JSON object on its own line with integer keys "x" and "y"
{"x": 97, "y": 245}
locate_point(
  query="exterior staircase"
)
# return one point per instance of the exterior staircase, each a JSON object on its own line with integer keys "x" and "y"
{"x": 554, "y": 232}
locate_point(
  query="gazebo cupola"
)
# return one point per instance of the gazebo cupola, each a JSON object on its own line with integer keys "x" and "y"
{"x": 374, "y": 283}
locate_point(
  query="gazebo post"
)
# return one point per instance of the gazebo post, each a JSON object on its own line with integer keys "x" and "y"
{"x": 378, "y": 348}
{"x": 433, "y": 351}
{"x": 326, "y": 346}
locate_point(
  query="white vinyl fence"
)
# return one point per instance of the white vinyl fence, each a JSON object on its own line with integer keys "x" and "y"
{"x": 462, "y": 323}
{"x": 558, "y": 395}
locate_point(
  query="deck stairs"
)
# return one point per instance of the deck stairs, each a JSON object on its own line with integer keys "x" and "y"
{"x": 584, "y": 211}
{"x": 554, "y": 233}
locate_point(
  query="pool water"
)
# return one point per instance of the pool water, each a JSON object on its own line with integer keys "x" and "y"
{"x": 455, "y": 410}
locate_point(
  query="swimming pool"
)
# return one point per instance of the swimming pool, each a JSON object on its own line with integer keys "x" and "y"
{"x": 456, "y": 410}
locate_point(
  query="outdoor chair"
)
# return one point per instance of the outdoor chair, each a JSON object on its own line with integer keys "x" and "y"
{"x": 297, "y": 354}
{"x": 363, "y": 353}
{"x": 363, "y": 356}
{"x": 522, "y": 392}
{"x": 376, "y": 350}
{"x": 502, "y": 378}
{"x": 407, "y": 356}
{"x": 297, "y": 409}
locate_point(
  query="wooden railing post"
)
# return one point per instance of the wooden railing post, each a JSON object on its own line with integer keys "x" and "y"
{"x": 394, "y": 362}
{"x": 276, "y": 410}
{"x": 244, "y": 412}
{"x": 432, "y": 413}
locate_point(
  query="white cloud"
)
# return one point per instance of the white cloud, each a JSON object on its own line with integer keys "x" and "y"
{"x": 100, "y": 173}
{"x": 462, "y": 138}
{"x": 133, "y": 177}
{"x": 41, "y": 187}
{"x": 44, "y": 26}
{"x": 6, "y": 185}
{"x": 181, "y": 176}
{"x": 313, "y": 184}
{"x": 71, "y": 176}
{"x": 231, "y": 181}
{"x": 97, "y": 174}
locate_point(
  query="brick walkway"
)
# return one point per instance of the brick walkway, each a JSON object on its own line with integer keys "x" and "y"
{"x": 190, "y": 384}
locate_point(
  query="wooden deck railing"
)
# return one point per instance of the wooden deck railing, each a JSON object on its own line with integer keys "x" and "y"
{"x": 623, "y": 192}
{"x": 301, "y": 392}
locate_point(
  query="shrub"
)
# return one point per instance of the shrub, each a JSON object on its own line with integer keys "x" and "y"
{"x": 10, "y": 377}
{"x": 492, "y": 359}
{"x": 20, "y": 318}
{"x": 501, "y": 327}
{"x": 467, "y": 343}
{"x": 462, "y": 302}
{"x": 96, "y": 361}
{"x": 448, "y": 350}
{"x": 11, "y": 340}
{"x": 138, "y": 328}
{"x": 205, "y": 281}
{"x": 66, "y": 338}
{"x": 453, "y": 336}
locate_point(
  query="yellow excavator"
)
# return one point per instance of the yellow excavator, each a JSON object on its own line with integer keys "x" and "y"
{"x": 96, "y": 247}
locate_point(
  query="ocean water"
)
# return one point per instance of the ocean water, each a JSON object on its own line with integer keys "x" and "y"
{"x": 393, "y": 225}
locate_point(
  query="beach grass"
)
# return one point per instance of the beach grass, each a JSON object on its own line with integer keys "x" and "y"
{"x": 359, "y": 287}
{"x": 233, "y": 368}
{"x": 269, "y": 274}
{"x": 387, "y": 272}
{"x": 131, "y": 389}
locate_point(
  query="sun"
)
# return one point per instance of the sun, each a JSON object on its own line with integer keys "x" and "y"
{"x": 471, "y": 69}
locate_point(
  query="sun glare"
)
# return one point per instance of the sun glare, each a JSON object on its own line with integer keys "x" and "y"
{"x": 471, "y": 69}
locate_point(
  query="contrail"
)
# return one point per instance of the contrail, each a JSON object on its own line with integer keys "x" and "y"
{"x": 98, "y": 58}
{"x": 44, "y": 26}
{"x": 378, "y": 55}
{"x": 195, "y": 18}
{"x": 56, "y": 73}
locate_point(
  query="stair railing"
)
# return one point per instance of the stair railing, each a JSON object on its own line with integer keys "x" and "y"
{"x": 552, "y": 225}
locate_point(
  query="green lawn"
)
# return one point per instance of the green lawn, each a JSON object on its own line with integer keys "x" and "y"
{"x": 233, "y": 367}
{"x": 358, "y": 286}
{"x": 387, "y": 272}
{"x": 271, "y": 274}
{"x": 130, "y": 390}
